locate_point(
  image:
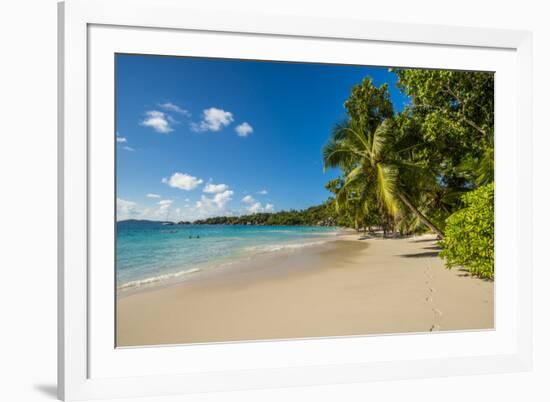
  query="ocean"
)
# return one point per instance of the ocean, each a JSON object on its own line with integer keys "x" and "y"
{"x": 150, "y": 253}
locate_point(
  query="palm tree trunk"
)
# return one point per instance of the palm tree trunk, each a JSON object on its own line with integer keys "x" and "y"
{"x": 420, "y": 215}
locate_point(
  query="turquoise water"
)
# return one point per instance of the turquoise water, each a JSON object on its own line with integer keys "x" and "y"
{"x": 152, "y": 252}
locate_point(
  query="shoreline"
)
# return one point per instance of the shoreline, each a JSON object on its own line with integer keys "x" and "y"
{"x": 343, "y": 287}
{"x": 218, "y": 267}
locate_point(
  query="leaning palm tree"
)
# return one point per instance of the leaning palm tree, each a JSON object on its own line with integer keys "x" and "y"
{"x": 480, "y": 170}
{"x": 372, "y": 167}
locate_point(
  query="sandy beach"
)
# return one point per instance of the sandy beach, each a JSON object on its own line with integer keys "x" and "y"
{"x": 350, "y": 286}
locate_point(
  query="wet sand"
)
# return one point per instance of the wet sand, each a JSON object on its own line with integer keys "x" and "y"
{"x": 350, "y": 286}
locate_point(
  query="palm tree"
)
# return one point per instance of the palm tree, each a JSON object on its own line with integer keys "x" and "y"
{"x": 481, "y": 170}
{"x": 372, "y": 167}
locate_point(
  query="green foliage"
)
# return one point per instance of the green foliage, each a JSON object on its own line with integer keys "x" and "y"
{"x": 378, "y": 160}
{"x": 321, "y": 215}
{"x": 454, "y": 115}
{"x": 361, "y": 147}
{"x": 369, "y": 105}
{"x": 480, "y": 170}
{"x": 409, "y": 169}
{"x": 469, "y": 234}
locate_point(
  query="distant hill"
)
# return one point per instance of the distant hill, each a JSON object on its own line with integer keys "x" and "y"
{"x": 143, "y": 222}
{"x": 320, "y": 215}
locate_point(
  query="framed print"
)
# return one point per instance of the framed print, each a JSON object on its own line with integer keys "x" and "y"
{"x": 264, "y": 201}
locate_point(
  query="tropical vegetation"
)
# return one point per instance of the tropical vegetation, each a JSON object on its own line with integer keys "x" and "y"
{"x": 428, "y": 167}
{"x": 469, "y": 237}
{"x": 320, "y": 215}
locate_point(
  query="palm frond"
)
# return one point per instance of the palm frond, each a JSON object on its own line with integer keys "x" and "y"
{"x": 354, "y": 178}
{"x": 387, "y": 176}
{"x": 479, "y": 170}
{"x": 381, "y": 139}
{"x": 485, "y": 170}
{"x": 339, "y": 154}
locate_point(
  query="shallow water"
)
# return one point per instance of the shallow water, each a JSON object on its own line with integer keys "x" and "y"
{"x": 151, "y": 252}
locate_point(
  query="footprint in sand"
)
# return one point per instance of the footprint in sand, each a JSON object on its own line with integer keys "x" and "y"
{"x": 437, "y": 317}
{"x": 429, "y": 299}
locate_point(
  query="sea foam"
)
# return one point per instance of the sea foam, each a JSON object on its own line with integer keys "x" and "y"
{"x": 155, "y": 279}
{"x": 148, "y": 254}
{"x": 281, "y": 247}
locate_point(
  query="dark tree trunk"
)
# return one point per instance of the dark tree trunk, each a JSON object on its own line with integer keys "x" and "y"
{"x": 421, "y": 216}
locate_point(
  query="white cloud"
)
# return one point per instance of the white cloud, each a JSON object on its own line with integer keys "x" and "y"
{"x": 213, "y": 119}
{"x": 162, "y": 211}
{"x": 183, "y": 181}
{"x": 152, "y": 195}
{"x": 216, "y": 204}
{"x": 215, "y": 188}
{"x": 255, "y": 207}
{"x": 165, "y": 202}
{"x": 164, "y": 208}
{"x": 158, "y": 121}
{"x": 175, "y": 108}
{"x": 126, "y": 209}
{"x": 223, "y": 198}
{"x": 262, "y": 192}
{"x": 244, "y": 129}
{"x": 124, "y": 205}
{"x": 123, "y": 140}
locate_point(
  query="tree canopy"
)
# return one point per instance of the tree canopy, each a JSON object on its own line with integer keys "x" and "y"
{"x": 409, "y": 171}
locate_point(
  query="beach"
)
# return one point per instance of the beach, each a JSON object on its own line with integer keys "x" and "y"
{"x": 351, "y": 285}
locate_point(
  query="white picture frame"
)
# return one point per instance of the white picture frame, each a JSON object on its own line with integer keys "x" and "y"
{"x": 90, "y": 367}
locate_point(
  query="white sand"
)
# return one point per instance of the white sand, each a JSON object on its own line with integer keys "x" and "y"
{"x": 346, "y": 287}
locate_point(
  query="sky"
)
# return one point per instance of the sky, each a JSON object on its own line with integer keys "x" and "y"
{"x": 201, "y": 137}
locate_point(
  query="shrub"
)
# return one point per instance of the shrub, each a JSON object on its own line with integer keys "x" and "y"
{"x": 469, "y": 234}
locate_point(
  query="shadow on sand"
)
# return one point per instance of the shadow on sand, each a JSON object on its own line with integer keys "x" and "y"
{"x": 423, "y": 240}
{"x": 421, "y": 255}
{"x": 432, "y": 248}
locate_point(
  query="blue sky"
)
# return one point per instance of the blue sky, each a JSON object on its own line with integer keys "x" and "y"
{"x": 203, "y": 137}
